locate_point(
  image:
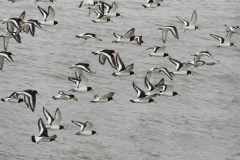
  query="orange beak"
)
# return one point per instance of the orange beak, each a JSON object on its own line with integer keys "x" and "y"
{"x": 114, "y": 99}
{"x": 116, "y": 53}
{"x": 96, "y": 36}
{"x": 105, "y": 7}
{"x": 36, "y": 27}
{"x": 135, "y": 74}
{"x": 178, "y": 29}
{"x": 161, "y": 5}
{"x": 21, "y": 31}
{"x": 111, "y": 21}
{"x": 199, "y": 29}
{"x": 13, "y": 55}
{"x": 120, "y": 15}
{"x": 65, "y": 128}
{"x": 135, "y": 40}
{"x": 20, "y": 37}
{"x": 90, "y": 66}
{"x": 155, "y": 102}
{"x": 169, "y": 56}
{"x": 59, "y": 24}
{"x": 71, "y": 67}
{"x": 234, "y": 46}
{"x": 192, "y": 74}
{"x": 75, "y": 97}
{"x": 93, "y": 89}
{"x": 23, "y": 22}
{"x": 144, "y": 43}
{"x": 178, "y": 94}
{"x": 39, "y": 94}
{"x": 56, "y": 140}
{"x": 97, "y": 133}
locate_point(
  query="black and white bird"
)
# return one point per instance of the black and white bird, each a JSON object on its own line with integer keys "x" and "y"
{"x": 8, "y": 35}
{"x": 159, "y": 70}
{"x": 45, "y": 1}
{"x": 29, "y": 27}
{"x": 13, "y": 98}
{"x": 197, "y": 59}
{"x": 43, "y": 134}
{"x": 234, "y": 29}
{"x": 85, "y": 128}
{"x": 152, "y": 4}
{"x": 158, "y": 52}
{"x": 6, "y": 55}
{"x": 181, "y": 68}
{"x": 153, "y": 90}
{"x": 109, "y": 10}
{"x": 87, "y": 3}
{"x": 142, "y": 97}
{"x": 81, "y": 84}
{"x": 165, "y": 30}
{"x": 192, "y": 24}
{"x": 64, "y": 96}
{"x": 122, "y": 70}
{"x": 104, "y": 99}
{"x": 125, "y": 38}
{"x": 88, "y": 35}
{"x": 101, "y": 18}
{"x": 224, "y": 42}
{"x": 106, "y": 54}
{"x": 48, "y": 17}
{"x": 136, "y": 40}
{"x": 167, "y": 90}
{"x": 54, "y": 123}
{"x": 29, "y": 97}
{"x": 79, "y": 67}
{"x": 13, "y": 22}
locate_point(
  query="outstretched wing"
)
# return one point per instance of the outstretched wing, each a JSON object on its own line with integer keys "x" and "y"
{"x": 228, "y": 37}
{"x": 80, "y": 124}
{"x": 177, "y": 63}
{"x": 48, "y": 116}
{"x": 120, "y": 64}
{"x": 129, "y": 33}
{"x": 186, "y": 23}
{"x": 51, "y": 14}
{"x": 140, "y": 93}
{"x": 44, "y": 13}
{"x": 42, "y": 129}
{"x": 220, "y": 39}
{"x": 108, "y": 95}
{"x": 88, "y": 126}
{"x": 193, "y": 19}
{"x": 148, "y": 84}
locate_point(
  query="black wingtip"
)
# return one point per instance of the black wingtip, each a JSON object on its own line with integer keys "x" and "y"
{"x": 132, "y": 101}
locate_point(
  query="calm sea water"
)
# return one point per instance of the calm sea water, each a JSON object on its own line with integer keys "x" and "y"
{"x": 203, "y": 123}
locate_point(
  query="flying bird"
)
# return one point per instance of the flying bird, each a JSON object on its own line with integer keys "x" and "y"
{"x": 165, "y": 30}
{"x": 190, "y": 25}
{"x": 85, "y": 128}
{"x": 224, "y": 42}
{"x": 105, "y": 98}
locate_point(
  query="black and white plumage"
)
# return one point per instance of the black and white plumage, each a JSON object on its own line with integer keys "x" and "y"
{"x": 153, "y": 90}
{"x": 48, "y": 17}
{"x": 167, "y": 90}
{"x": 125, "y": 38}
{"x": 197, "y": 59}
{"x": 103, "y": 99}
{"x": 192, "y": 24}
{"x": 8, "y": 35}
{"x": 158, "y": 52}
{"x": 101, "y": 18}
{"x": 43, "y": 134}
{"x": 152, "y": 4}
{"x": 35, "y": 22}
{"x": 13, "y": 22}
{"x": 13, "y": 98}
{"x": 54, "y": 123}
{"x": 6, "y": 55}
{"x": 88, "y": 35}
{"x": 79, "y": 67}
{"x": 159, "y": 70}
{"x": 165, "y": 30}
{"x": 136, "y": 40}
{"x": 224, "y": 42}
{"x": 122, "y": 70}
{"x": 87, "y": 3}
{"x": 81, "y": 84}
{"x": 85, "y": 128}
{"x": 234, "y": 29}
{"x": 29, "y": 98}
{"x": 29, "y": 27}
{"x": 142, "y": 97}
{"x": 181, "y": 68}
{"x": 109, "y": 10}
{"x": 64, "y": 96}
{"x": 106, "y": 54}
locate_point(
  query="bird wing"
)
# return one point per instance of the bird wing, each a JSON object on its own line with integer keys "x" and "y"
{"x": 80, "y": 124}
{"x": 228, "y": 37}
{"x": 22, "y": 16}
{"x": 31, "y": 28}
{"x": 108, "y": 95}
{"x": 117, "y": 36}
{"x": 174, "y": 31}
{"x": 42, "y": 128}
{"x": 114, "y": 8}
{"x": 57, "y": 117}
{"x": 186, "y": 23}
{"x": 1, "y": 62}
{"x": 148, "y": 84}
{"x": 197, "y": 58}
{"x": 120, "y": 64}
{"x": 6, "y": 41}
{"x": 51, "y": 14}
{"x": 193, "y": 19}
{"x": 48, "y": 116}
{"x": 184, "y": 67}
{"x": 44, "y": 13}
{"x": 129, "y": 33}
{"x": 161, "y": 82}
{"x": 177, "y": 63}
{"x": 102, "y": 59}
{"x": 99, "y": 14}
{"x": 129, "y": 68}
{"x": 83, "y": 81}
{"x": 88, "y": 126}
{"x": 75, "y": 80}
{"x": 140, "y": 93}
{"x": 220, "y": 39}
{"x": 165, "y": 70}
{"x": 164, "y": 36}
{"x": 111, "y": 59}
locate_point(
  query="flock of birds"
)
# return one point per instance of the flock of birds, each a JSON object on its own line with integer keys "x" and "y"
{"x": 104, "y": 11}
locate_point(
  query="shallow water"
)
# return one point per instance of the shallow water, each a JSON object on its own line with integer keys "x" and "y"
{"x": 201, "y": 124}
